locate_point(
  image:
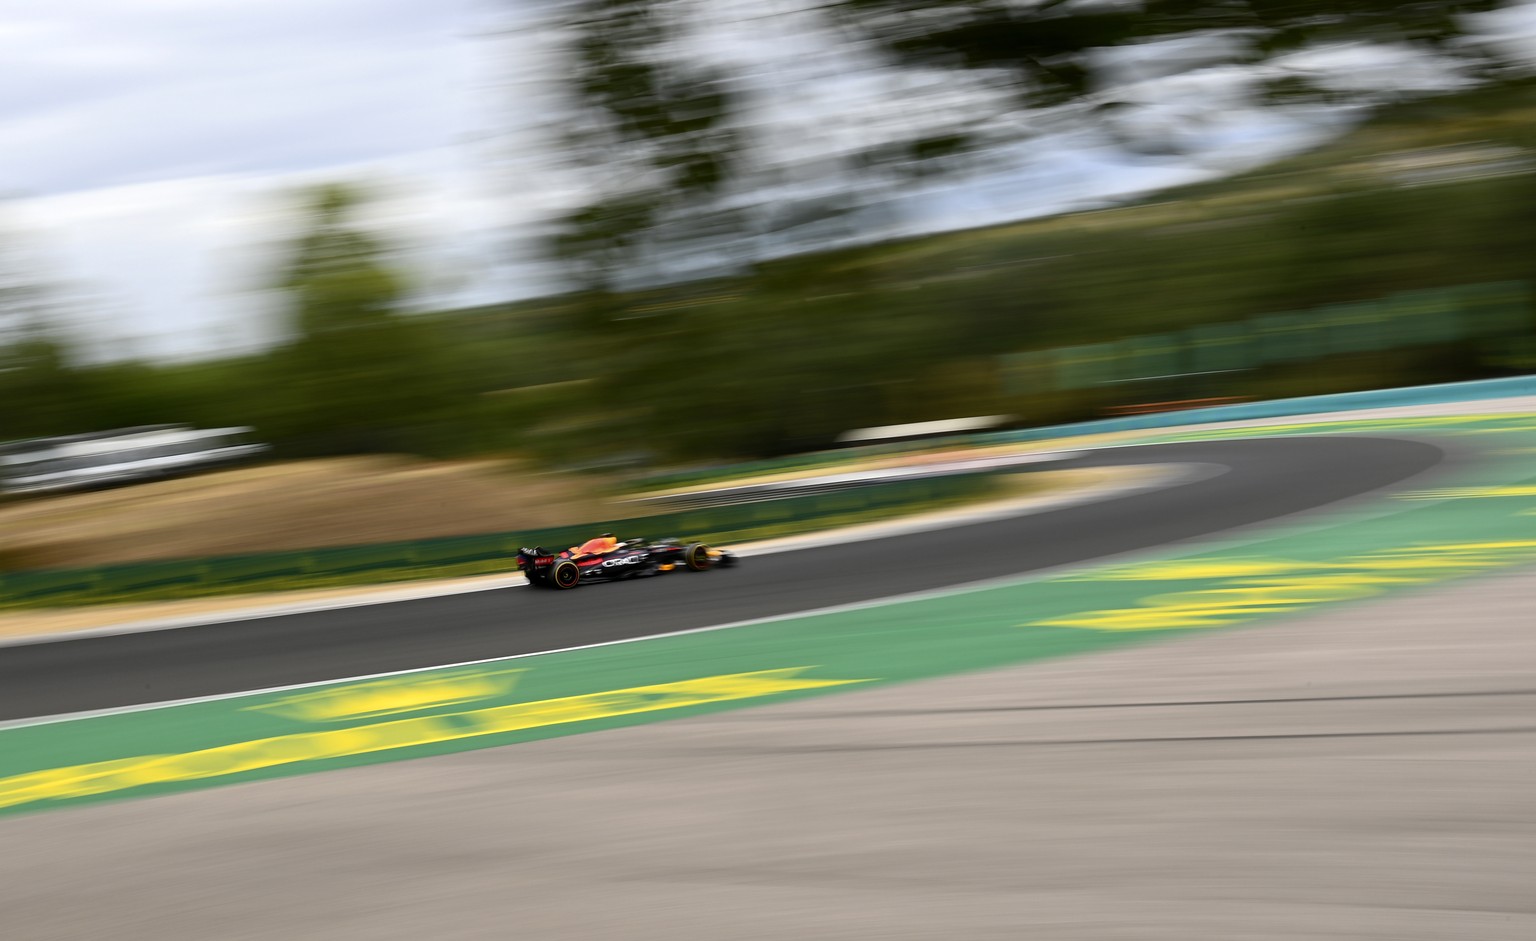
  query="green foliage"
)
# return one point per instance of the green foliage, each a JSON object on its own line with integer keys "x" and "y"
{"x": 36, "y": 380}
{"x": 809, "y": 347}
{"x": 38, "y": 387}
{"x": 358, "y": 375}
{"x": 663, "y": 137}
{"x": 659, "y": 127}
{"x": 1042, "y": 45}
{"x": 804, "y": 348}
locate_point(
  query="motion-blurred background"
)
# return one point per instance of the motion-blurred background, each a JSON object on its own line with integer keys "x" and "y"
{"x": 646, "y": 233}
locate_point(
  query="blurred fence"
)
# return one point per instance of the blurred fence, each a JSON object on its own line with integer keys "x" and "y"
{"x": 455, "y": 556}
{"x": 1283, "y": 408}
{"x": 1273, "y": 408}
{"x": 1399, "y": 321}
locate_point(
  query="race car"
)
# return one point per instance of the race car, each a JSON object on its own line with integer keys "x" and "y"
{"x": 606, "y": 559}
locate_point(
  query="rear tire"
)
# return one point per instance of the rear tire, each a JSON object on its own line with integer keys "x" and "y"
{"x": 564, "y": 574}
{"x": 697, "y": 557}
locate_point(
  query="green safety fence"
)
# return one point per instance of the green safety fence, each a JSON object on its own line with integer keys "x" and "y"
{"x": 1500, "y": 309}
{"x": 1397, "y": 321}
{"x": 454, "y": 556}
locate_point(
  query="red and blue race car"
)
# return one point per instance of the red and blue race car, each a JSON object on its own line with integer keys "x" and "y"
{"x": 606, "y": 558}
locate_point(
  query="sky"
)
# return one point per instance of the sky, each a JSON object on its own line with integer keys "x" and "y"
{"x": 106, "y": 92}
{"x": 149, "y": 149}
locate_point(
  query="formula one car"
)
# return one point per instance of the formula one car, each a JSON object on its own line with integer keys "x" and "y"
{"x": 606, "y": 559}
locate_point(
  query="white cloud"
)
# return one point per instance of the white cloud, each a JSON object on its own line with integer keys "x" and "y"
{"x": 1135, "y": 62}
{"x": 100, "y": 92}
{"x": 1391, "y": 69}
{"x": 1510, "y": 31}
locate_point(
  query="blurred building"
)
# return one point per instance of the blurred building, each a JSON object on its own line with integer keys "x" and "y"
{"x": 127, "y": 455}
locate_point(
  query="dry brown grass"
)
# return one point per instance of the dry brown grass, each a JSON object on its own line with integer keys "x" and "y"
{"x": 296, "y": 505}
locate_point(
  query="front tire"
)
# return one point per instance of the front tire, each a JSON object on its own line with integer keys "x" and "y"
{"x": 564, "y": 574}
{"x": 697, "y": 557}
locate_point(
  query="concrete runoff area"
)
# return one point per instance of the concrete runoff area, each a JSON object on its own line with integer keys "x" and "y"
{"x": 1364, "y": 772}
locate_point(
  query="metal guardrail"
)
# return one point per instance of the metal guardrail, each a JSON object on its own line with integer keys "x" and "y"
{"x": 1489, "y": 313}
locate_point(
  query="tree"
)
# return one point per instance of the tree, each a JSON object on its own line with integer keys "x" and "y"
{"x": 335, "y": 274}
{"x": 1043, "y": 45}
{"x": 669, "y": 141}
{"x": 41, "y": 392}
{"x": 658, "y": 126}
{"x": 686, "y": 157}
{"x": 358, "y": 374}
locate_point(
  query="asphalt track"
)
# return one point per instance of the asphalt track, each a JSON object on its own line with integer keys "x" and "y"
{"x": 1264, "y": 479}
